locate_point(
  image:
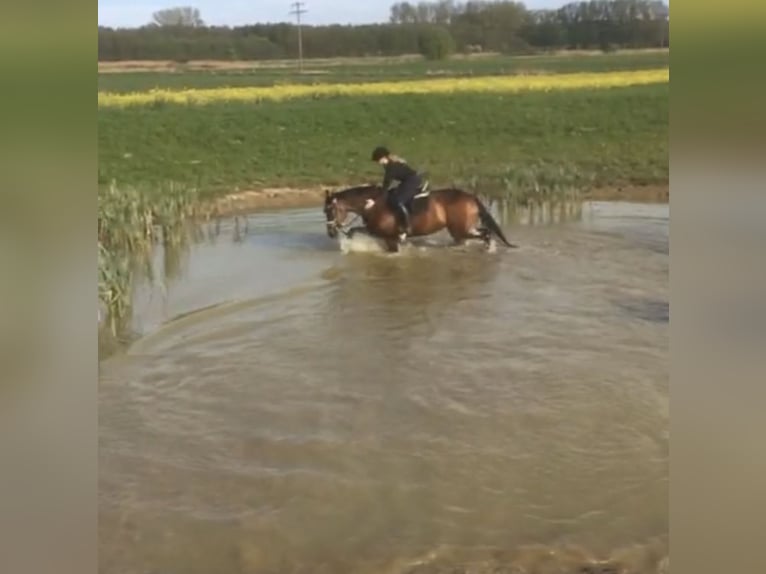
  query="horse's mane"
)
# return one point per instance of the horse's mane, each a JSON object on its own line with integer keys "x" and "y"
{"x": 355, "y": 191}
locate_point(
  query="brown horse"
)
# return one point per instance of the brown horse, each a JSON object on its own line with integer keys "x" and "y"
{"x": 461, "y": 213}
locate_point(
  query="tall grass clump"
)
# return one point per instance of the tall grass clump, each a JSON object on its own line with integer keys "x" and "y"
{"x": 532, "y": 183}
{"x": 131, "y": 222}
{"x": 540, "y": 182}
{"x": 534, "y": 193}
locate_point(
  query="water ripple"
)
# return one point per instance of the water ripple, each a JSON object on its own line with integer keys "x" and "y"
{"x": 385, "y": 405}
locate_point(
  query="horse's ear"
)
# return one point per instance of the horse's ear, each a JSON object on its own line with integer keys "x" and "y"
{"x": 327, "y": 194}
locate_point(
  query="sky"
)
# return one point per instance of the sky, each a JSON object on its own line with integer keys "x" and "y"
{"x": 130, "y": 13}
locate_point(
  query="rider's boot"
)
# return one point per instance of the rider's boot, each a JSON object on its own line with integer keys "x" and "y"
{"x": 404, "y": 222}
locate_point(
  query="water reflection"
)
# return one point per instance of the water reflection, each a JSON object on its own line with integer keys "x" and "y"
{"x": 539, "y": 213}
{"x": 413, "y": 287}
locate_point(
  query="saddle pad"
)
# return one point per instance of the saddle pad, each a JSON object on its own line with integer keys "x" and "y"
{"x": 419, "y": 203}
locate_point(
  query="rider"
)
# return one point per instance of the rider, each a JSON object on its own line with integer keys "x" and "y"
{"x": 396, "y": 169}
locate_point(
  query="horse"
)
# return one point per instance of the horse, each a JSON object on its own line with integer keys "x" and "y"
{"x": 459, "y": 211}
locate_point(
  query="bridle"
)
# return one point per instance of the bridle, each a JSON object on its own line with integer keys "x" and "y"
{"x": 333, "y": 224}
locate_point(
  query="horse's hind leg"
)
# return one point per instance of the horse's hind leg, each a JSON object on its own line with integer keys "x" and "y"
{"x": 486, "y": 237}
{"x": 462, "y": 233}
{"x": 392, "y": 245}
{"x": 462, "y": 226}
{"x": 482, "y": 234}
{"x": 461, "y": 238}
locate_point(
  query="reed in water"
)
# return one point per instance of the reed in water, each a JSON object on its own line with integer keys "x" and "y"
{"x": 131, "y": 223}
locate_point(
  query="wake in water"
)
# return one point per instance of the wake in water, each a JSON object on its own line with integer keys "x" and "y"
{"x": 363, "y": 243}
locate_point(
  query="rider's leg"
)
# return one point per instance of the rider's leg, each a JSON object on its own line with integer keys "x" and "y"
{"x": 404, "y": 218}
{"x": 396, "y": 205}
{"x": 405, "y": 194}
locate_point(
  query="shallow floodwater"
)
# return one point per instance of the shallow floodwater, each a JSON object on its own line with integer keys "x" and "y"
{"x": 316, "y": 409}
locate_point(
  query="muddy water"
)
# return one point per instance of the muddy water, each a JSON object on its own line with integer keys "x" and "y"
{"x": 310, "y": 410}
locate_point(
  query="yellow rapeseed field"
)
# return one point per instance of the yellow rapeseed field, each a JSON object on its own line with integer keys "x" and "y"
{"x": 489, "y": 84}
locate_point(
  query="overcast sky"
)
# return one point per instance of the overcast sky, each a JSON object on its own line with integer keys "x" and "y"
{"x": 129, "y": 13}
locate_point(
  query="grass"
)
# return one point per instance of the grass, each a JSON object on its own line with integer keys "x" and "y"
{"x": 376, "y": 70}
{"x": 599, "y": 136}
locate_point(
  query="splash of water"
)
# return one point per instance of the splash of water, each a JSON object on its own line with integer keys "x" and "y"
{"x": 360, "y": 243}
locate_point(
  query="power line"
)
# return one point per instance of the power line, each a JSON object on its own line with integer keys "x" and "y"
{"x": 298, "y": 10}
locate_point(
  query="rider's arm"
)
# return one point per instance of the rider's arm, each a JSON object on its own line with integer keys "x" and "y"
{"x": 387, "y": 177}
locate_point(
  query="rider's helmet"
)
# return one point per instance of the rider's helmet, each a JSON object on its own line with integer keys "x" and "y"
{"x": 379, "y": 152}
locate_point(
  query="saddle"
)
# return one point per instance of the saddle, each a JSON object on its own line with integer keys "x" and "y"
{"x": 425, "y": 187}
{"x": 420, "y": 200}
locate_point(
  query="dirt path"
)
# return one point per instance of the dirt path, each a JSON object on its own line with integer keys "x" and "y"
{"x": 637, "y": 193}
{"x": 267, "y": 199}
{"x": 288, "y": 197}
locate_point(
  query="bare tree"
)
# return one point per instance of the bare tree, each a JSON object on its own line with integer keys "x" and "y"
{"x": 178, "y": 16}
{"x": 404, "y": 13}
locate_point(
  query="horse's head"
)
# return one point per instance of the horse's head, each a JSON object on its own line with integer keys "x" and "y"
{"x": 335, "y": 212}
{"x": 339, "y": 204}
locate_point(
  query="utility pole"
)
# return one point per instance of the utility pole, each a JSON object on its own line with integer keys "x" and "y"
{"x": 298, "y": 10}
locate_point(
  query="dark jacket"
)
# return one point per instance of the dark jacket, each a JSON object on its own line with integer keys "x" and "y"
{"x": 397, "y": 171}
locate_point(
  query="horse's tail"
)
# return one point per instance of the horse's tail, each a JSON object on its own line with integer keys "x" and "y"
{"x": 490, "y": 223}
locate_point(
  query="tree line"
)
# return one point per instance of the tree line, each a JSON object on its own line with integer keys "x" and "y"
{"x": 434, "y": 29}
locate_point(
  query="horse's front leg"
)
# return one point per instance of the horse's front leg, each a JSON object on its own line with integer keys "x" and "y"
{"x": 350, "y": 233}
{"x": 392, "y": 245}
